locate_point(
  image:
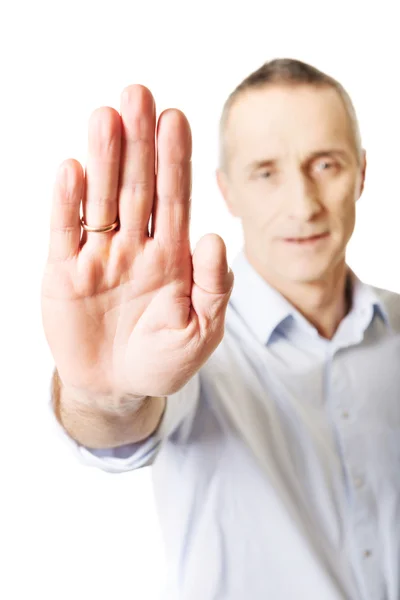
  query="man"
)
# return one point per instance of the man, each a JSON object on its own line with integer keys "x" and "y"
{"x": 269, "y": 408}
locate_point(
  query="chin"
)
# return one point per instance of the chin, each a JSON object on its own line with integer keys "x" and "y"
{"x": 306, "y": 273}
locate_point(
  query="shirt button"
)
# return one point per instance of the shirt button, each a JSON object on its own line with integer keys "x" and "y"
{"x": 358, "y": 482}
{"x": 345, "y": 415}
{"x": 367, "y": 553}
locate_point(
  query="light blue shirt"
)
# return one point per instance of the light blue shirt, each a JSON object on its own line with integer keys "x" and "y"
{"x": 277, "y": 467}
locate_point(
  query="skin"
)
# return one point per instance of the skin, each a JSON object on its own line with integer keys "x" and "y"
{"x": 130, "y": 315}
{"x": 294, "y": 171}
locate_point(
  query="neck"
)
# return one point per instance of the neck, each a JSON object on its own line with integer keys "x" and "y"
{"x": 323, "y": 303}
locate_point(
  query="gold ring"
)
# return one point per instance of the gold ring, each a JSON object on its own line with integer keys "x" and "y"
{"x": 104, "y": 229}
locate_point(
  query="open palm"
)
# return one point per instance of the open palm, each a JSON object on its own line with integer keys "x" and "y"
{"x": 131, "y": 311}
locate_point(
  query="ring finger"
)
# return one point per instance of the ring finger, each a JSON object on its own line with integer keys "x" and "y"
{"x": 100, "y": 202}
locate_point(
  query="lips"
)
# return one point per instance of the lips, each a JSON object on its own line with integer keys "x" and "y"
{"x": 304, "y": 240}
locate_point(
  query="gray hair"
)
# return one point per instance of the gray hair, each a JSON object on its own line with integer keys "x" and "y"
{"x": 285, "y": 71}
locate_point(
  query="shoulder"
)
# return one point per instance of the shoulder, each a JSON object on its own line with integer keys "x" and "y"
{"x": 388, "y": 297}
{"x": 390, "y": 301}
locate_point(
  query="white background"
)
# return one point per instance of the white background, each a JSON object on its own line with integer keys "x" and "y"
{"x": 68, "y": 531}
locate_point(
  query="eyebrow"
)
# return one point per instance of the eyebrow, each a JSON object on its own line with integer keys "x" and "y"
{"x": 268, "y": 162}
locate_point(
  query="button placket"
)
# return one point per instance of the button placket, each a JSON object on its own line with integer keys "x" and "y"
{"x": 362, "y": 518}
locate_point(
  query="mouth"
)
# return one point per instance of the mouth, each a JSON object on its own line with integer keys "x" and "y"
{"x": 307, "y": 241}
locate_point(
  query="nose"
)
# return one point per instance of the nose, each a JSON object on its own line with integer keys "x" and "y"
{"x": 302, "y": 202}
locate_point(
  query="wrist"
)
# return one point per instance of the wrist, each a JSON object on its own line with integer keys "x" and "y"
{"x": 113, "y": 404}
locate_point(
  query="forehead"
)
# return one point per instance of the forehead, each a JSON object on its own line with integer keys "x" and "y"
{"x": 275, "y": 121}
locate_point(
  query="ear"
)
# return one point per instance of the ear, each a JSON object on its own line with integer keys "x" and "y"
{"x": 363, "y": 170}
{"x": 224, "y": 188}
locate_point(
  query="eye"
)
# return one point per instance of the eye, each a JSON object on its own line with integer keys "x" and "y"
{"x": 265, "y": 174}
{"x": 324, "y": 165}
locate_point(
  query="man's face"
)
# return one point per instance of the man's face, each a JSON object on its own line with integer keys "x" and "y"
{"x": 293, "y": 179}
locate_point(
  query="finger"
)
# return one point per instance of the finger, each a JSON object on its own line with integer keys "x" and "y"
{"x": 213, "y": 280}
{"x": 100, "y": 207}
{"x": 211, "y": 272}
{"x": 171, "y": 211}
{"x": 137, "y": 171}
{"x": 65, "y": 225}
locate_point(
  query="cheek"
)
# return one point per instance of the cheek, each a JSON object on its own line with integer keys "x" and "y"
{"x": 262, "y": 209}
{"x": 342, "y": 216}
{"x": 341, "y": 200}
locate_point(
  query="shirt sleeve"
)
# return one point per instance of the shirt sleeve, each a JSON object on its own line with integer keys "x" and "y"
{"x": 180, "y": 407}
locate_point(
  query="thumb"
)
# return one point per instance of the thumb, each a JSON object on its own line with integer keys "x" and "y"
{"x": 212, "y": 278}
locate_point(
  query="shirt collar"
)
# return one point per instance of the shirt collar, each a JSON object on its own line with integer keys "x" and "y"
{"x": 263, "y": 308}
{"x": 365, "y": 298}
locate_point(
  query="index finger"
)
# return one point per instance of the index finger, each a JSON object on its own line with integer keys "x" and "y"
{"x": 171, "y": 210}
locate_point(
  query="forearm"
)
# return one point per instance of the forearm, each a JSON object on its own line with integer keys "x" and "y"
{"x": 98, "y": 428}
